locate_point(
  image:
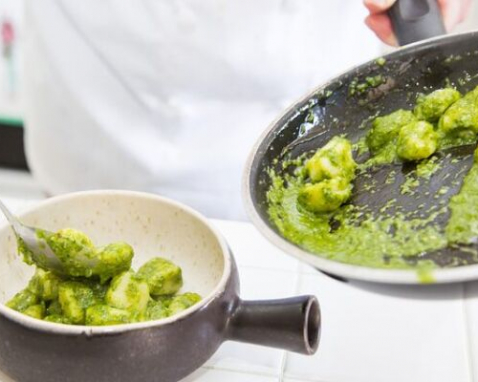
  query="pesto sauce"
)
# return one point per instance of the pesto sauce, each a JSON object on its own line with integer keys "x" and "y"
{"x": 357, "y": 87}
{"x": 425, "y": 275}
{"x": 463, "y": 223}
{"x": 104, "y": 292}
{"x": 360, "y": 238}
{"x": 351, "y": 234}
{"x": 426, "y": 168}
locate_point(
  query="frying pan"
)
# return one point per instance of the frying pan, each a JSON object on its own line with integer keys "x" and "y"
{"x": 416, "y": 68}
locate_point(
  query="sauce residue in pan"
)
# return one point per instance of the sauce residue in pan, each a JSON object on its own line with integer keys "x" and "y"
{"x": 314, "y": 202}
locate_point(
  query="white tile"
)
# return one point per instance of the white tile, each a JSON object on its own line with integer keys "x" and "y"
{"x": 240, "y": 357}
{"x": 19, "y": 184}
{"x": 375, "y": 333}
{"x": 471, "y": 296}
{"x": 307, "y": 269}
{"x": 252, "y": 249}
{"x": 256, "y": 284}
{"x": 260, "y": 284}
{"x": 213, "y": 375}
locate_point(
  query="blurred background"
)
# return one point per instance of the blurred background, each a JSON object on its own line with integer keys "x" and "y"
{"x": 11, "y": 124}
{"x": 11, "y": 109}
{"x": 12, "y": 25}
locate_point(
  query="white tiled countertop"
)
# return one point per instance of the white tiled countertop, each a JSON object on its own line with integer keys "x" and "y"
{"x": 370, "y": 333}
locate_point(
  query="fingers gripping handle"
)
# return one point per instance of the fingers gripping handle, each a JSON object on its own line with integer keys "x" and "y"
{"x": 416, "y": 20}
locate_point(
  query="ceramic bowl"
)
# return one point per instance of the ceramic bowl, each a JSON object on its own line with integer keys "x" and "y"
{"x": 161, "y": 350}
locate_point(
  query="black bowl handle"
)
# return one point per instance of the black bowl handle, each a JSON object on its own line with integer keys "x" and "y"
{"x": 291, "y": 324}
{"x": 416, "y": 20}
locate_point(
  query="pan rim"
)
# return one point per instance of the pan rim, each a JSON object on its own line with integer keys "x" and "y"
{"x": 348, "y": 271}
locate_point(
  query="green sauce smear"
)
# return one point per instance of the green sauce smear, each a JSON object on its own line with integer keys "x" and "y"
{"x": 354, "y": 234}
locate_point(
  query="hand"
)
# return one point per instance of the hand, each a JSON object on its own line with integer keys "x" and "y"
{"x": 454, "y": 12}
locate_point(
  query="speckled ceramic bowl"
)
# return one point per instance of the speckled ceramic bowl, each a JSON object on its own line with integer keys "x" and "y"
{"x": 162, "y": 350}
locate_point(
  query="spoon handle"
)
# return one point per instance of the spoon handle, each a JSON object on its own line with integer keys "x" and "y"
{"x": 17, "y": 227}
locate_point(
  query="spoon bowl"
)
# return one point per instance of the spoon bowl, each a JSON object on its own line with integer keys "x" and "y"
{"x": 41, "y": 253}
{"x": 35, "y": 246}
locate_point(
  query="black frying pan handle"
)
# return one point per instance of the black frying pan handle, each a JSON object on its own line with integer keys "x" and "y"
{"x": 416, "y": 20}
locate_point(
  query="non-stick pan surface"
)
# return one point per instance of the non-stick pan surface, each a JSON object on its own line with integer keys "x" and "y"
{"x": 332, "y": 110}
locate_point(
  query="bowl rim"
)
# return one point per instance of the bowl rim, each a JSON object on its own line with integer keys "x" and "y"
{"x": 66, "y": 329}
{"x": 348, "y": 271}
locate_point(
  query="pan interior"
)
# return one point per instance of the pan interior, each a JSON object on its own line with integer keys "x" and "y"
{"x": 336, "y": 109}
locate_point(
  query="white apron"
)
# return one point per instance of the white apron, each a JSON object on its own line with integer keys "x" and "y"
{"x": 169, "y": 96}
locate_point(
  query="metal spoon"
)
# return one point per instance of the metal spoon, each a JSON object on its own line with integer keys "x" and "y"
{"x": 41, "y": 253}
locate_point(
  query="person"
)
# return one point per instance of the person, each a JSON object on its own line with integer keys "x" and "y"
{"x": 169, "y": 96}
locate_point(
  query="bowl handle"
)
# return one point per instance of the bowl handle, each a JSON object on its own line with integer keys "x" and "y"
{"x": 291, "y": 324}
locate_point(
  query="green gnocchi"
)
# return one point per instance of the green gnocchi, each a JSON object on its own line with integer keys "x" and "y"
{"x": 109, "y": 292}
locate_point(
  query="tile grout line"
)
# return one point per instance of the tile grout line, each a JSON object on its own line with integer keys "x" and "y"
{"x": 264, "y": 268}
{"x": 307, "y": 379}
{"x": 468, "y": 336}
{"x": 232, "y": 370}
{"x": 283, "y": 363}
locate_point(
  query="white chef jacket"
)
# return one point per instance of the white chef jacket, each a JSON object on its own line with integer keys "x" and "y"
{"x": 169, "y": 96}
